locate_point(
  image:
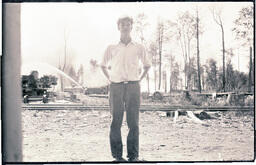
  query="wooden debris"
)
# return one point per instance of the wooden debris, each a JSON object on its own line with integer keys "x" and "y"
{"x": 203, "y": 115}
{"x": 176, "y": 115}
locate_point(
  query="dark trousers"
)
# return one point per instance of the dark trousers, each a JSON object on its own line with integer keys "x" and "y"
{"x": 124, "y": 97}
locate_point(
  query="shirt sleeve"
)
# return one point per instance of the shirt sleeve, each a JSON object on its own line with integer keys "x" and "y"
{"x": 145, "y": 58}
{"x": 106, "y": 57}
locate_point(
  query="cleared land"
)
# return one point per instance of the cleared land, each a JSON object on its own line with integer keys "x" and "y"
{"x": 79, "y": 135}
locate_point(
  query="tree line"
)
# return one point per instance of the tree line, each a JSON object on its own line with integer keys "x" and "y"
{"x": 184, "y": 34}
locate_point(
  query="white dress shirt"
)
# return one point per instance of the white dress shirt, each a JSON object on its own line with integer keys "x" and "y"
{"x": 124, "y": 61}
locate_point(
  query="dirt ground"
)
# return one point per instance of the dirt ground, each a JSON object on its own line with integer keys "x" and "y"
{"x": 75, "y": 136}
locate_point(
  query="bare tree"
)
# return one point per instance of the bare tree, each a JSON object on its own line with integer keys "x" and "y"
{"x": 140, "y": 24}
{"x": 211, "y": 74}
{"x": 165, "y": 81}
{"x": 186, "y": 31}
{"x": 171, "y": 59}
{"x": 66, "y": 62}
{"x": 250, "y": 71}
{"x": 218, "y": 19}
{"x": 153, "y": 54}
{"x": 160, "y": 34}
{"x": 174, "y": 73}
{"x": 80, "y": 74}
{"x": 163, "y": 35}
{"x": 62, "y": 65}
{"x": 198, "y": 58}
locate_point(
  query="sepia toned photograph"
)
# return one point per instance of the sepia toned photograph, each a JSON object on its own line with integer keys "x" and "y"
{"x": 128, "y": 82}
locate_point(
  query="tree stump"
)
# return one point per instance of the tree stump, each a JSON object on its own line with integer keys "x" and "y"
{"x": 157, "y": 96}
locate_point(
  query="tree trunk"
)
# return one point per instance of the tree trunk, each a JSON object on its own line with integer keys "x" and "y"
{"x": 65, "y": 51}
{"x": 61, "y": 81}
{"x": 250, "y": 71}
{"x": 147, "y": 77}
{"x": 155, "y": 80}
{"x": 160, "y": 60}
{"x": 186, "y": 85}
{"x": 165, "y": 81}
{"x": 65, "y": 59}
{"x": 203, "y": 82}
{"x": 170, "y": 83}
{"x": 198, "y": 58}
{"x": 189, "y": 66}
{"x": 223, "y": 51}
{"x": 171, "y": 77}
{"x": 155, "y": 66}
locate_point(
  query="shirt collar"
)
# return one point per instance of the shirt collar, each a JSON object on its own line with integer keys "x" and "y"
{"x": 131, "y": 42}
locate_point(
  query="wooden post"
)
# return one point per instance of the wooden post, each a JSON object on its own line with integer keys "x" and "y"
{"x": 11, "y": 105}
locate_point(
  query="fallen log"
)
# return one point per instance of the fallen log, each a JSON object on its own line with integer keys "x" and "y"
{"x": 194, "y": 118}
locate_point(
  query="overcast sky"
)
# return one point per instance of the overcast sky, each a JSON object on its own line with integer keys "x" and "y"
{"x": 91, "y": 27}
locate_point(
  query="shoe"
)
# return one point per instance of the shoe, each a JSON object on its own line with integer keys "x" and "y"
{"x": 134, "y": 160}
{"x": 120, "y": 160}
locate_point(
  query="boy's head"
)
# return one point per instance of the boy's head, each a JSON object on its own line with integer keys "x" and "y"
{"x": 124, "y": 19}
{"x": 124, "y": 24}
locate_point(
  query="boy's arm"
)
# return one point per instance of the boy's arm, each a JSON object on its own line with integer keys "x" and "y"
{"x": 146, "y": 62}
{"x": 104, "y": 62}
{"x": 105, "y": 72}
{"x": 145, "y": 71}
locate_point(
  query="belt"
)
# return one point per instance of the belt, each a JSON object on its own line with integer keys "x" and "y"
{"x": 126, "y": 82}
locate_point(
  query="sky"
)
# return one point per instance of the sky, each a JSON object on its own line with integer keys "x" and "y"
{"x": 90, "y": 27}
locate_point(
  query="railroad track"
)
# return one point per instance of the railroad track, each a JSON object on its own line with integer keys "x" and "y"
{"x": 142, "y": 107}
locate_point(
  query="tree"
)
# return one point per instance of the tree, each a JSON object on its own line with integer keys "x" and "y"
{"x": 219, "y": 83}
{"x": 198, "y": 58}
{"x": 185, "y": 32}
{"x": 140, "y": 24}
{"x": 163, "y": 34}
{"x": 62, "y": 66}
{"x": 160, "y": 34}
{"x": 244, "y": 26}
{"x": 153, "y": 53}
{"x": 250, "y": 71}
{"x": 230, "y": 77}
{"x": 217, "y": 18}
{"x": 236, "y": 81}
{"x": 211, "y": 75}
{"x": 192, "y": 73}
{"x": 253, "y": 72}
{"x": 80, "y": 74}
{"x": 244, "y": 32}
{"x": 165, "y": 81}
{"x": 72, "y": 72}
{"x": 202, "y": 75}
{"x": 48, "y": 80}
{"x": 174, "y": 77}
{"x": 241, "y": 80}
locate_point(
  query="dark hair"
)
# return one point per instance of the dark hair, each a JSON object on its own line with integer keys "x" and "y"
{"x": 125, "y": 18}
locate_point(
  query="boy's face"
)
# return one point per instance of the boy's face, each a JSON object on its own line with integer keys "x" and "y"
{"x": 125, "y": 26}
